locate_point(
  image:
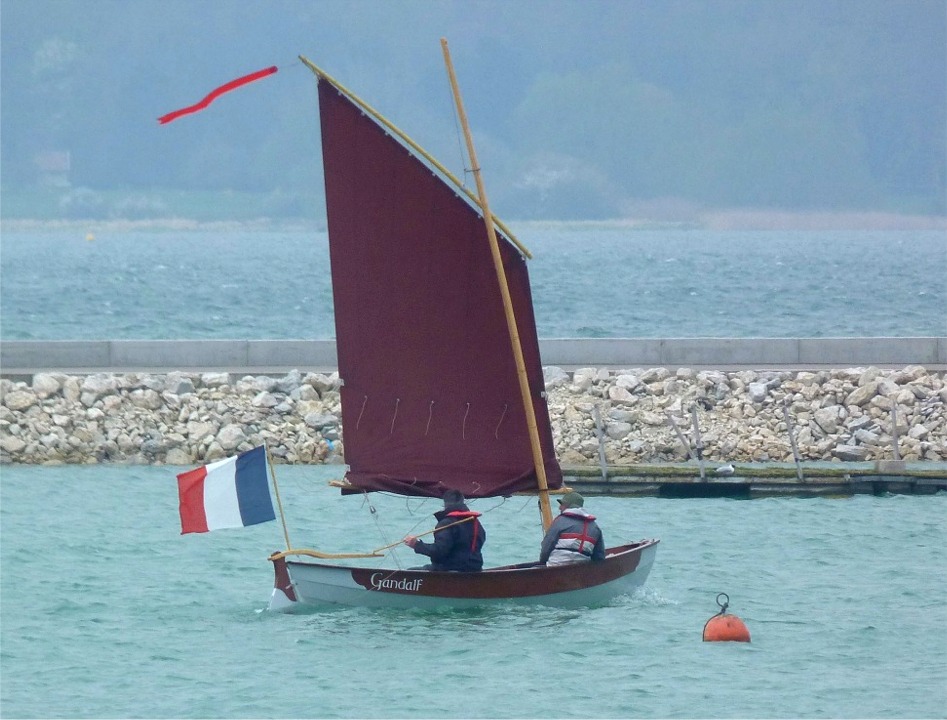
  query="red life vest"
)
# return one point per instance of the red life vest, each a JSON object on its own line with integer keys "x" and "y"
{"x": 567, "y": 540}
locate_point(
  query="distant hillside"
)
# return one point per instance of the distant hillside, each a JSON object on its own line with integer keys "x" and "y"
{"x": 581, "y": 110}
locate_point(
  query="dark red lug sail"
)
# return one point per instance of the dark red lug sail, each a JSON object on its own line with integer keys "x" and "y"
{"x": 430, "y": 399}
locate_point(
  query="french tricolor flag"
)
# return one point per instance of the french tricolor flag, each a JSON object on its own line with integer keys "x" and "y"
{"x": 229, "y": 493}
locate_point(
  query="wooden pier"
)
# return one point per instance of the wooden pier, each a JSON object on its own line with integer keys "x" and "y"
{"x": 760, "y": 480}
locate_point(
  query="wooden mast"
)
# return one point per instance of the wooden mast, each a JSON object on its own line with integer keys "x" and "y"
{"x": 507, "y": 302}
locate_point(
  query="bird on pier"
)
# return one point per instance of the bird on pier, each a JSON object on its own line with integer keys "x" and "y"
{"x": 725, "y": 469}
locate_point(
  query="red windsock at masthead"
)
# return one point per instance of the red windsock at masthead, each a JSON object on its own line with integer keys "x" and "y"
{"x": 216, "y": 93}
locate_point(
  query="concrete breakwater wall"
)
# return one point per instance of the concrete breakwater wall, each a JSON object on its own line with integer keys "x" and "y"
{"x": 21, "y": 358}
{"x": 635, "y": 415}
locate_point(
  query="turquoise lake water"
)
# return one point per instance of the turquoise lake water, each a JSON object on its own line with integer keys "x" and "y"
{"x": 107, "y": 611}
{"x": 588, "y": 281}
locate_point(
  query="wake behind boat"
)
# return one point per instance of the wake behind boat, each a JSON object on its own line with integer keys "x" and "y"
{"x": 442, "y": 383}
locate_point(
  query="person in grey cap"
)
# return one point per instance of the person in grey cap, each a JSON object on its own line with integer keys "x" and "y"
{"x": 574, "y": 536}
{"x": 458, "y": 538}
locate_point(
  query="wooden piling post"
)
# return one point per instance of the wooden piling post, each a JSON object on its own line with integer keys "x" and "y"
{"x": 792, "y": 440}
{"x": 894, "y": 431}
{"x": 600, "y": 433}
{"x": 699, "y": 444}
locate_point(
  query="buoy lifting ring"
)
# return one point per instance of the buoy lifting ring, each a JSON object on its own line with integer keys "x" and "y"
{"x": 725, "y": 627}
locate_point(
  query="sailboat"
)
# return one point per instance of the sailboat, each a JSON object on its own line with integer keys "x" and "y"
{"x": 442, "y": 383}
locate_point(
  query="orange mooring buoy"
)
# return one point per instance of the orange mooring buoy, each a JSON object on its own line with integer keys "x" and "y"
{"x": 723, "y": 627}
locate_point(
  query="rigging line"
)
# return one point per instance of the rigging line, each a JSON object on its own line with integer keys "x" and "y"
{"x": 393, "y": 417}
{"x": 379, "y": 528}
{"x": 376, "y": 518}
{"x": 498, "y": 505}
{"x": 463, "y": 433}
{"x": 420, "y": 519}
{"x": 407, "y": 503}
{"x": 457, "y": 132}
{"x": 397, "y": 545}
{"x": 381, "y": 531}
{"x": 429, "y": 532}
{"x": 495, "y": 506}
{"x": 291, "y": 65}
{"x": 408, "y": 498}
{"x": 358, "y": 422}
{"x": 422, "y": 500}
{"x": 525, "y": 503}
{"x": 496, "y": 433}
{"x": 367, "y": 501}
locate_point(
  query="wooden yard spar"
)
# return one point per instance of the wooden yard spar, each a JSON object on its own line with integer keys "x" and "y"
{"x": 319, "y": 72}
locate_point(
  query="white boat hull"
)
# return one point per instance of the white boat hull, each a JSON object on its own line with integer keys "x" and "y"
{"x": 581, "y": 585}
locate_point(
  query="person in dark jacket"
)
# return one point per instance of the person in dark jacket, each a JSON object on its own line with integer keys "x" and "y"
{"x": 457, "y": 546}
{"x": 574, "y": 536}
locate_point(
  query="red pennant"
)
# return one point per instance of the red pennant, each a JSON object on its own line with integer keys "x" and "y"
{"x": 216, "y": 93}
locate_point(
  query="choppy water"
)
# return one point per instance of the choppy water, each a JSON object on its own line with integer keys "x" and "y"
{"x": 588, "y": 281}
{"x": 108, "y": 612}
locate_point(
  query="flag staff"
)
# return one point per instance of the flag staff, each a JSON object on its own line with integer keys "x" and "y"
{"x": 279, "y": 503}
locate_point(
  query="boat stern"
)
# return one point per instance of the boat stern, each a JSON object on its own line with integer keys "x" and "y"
{"x": 284, "y": 596}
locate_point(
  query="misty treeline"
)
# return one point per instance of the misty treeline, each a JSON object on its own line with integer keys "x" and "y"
{"x": 593, "y": 109}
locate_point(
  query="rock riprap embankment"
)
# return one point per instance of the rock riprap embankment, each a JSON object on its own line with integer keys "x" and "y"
{"x": 191, "y": 418}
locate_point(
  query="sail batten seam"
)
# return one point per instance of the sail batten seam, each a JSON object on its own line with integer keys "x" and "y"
{"x": 394, "y": 417}
{"x": 430, "y": 415}
{"x": 496, "y": 433}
